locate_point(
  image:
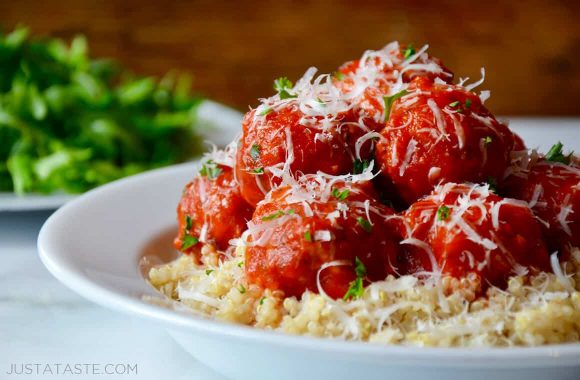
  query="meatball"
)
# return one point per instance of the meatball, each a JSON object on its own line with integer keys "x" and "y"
{"x": 278, "y": 144}
{"x": 463, "y": 229}
{"x": 380, "y": 74}
{"x": 441, "y": 133}
{"x": 297, "y": 234}
{"x": 552, "y": 190}
{"x": 211, "y": 210}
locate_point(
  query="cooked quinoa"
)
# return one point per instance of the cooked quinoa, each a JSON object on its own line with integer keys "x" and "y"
{"x": 533, "y": 309}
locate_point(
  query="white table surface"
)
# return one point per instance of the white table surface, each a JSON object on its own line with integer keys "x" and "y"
{"x": 43, "y": 322}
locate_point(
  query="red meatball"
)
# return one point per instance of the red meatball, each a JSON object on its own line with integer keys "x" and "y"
{"x": 464, "y": 229}
{"x": 264, "y": 150}
{"x": 441, "y": 133}
{"x": 290, "y": 238}
{"x": 381, "y": 73}
{"x": 553, "y": 191}
{"x": 211, "y": 210}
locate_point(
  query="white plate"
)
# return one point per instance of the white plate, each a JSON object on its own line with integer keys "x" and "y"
{"x": 216, "y": 122}
{"x": 94, "y": 245}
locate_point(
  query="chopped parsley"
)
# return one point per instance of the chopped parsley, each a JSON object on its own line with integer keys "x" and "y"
{"x": 283, "y": 86}
{"x": 492, "y": 184}
{"x": 409, "y": 51}
{"x": 308, "y": 236}
{"x": 468, "y": 103}
{"x": 255, "y": 151}
{"x": 242, "y": 289}
{"x": 257, "y": 171}
{"x": 487, "y": 140}
{"x": 389, "y": 100}
{"x": 262, "y": 300}
{"x": 340, "y": 195}
{"x": 278, "y": 214}
{"x": 454, "y": 104}
{"x": 208, "y": 272}
{"x": 188, "y": 223}
{"x": 338, "y": 75}
{"x": 266, "y": 111}
{"x": 356, "y": 288}
{"x": 364, "y": 223}
{"x": 188, "y": 242}
{"x": 360, "y": 166}
{"x": 443, "y": 212}
{"x": 555, "y": 154}
{"x": 240, "y": 264}
{"x": 210, "y": 170}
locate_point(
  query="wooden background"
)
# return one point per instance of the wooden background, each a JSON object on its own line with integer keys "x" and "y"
{"x": 531, "y": 49}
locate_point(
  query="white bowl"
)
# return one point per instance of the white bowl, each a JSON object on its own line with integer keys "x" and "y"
{"x": 94, "y": 245}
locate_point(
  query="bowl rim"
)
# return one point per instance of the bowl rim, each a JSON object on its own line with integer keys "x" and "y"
{"x": 67, "y": 273}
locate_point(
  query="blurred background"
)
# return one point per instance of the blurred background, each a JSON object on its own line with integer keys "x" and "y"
{"x": 530, "y": 49}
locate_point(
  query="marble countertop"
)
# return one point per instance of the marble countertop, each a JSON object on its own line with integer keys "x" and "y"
{"x": 43, "y": 323}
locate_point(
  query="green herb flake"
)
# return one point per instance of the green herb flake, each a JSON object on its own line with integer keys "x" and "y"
{"x": 365, "y": 224}
{"x": 290, "y": 212}
{"x": 454, "y": 104}
{"x": 257, "y": 171}
{"x": 262, "y": 300}
{"x": 443, "y": 212}
{"x": 409, "y": 51}
{"x": 273, "y": 216}
{"x": 389, "y": 100}
{"x": 338, "y": 75}
{"x": 188, "y": 242}
{"x": 208, "y": 272}
{"x": 242, "y": 289}
{"x": 355, "y": 290}
{"x": 188, "y": 222}
{"x": 240, "y": 264}
{"x": 210, "y": 170}
{"x": 360, "y": 166}
{"x": 255, "y": 151}
{"x": 359, "y": 268}
{"x": 487, "y": 140}
{"x": 556, "y": 154}
{"x": 468, "y": 103}
{"x": 492, "y": 184}
{"x": 308, "y": 236}
{"x": 340, "y": 195}
{"x": 283, "y": 86}
{"x": 266, "y": 111}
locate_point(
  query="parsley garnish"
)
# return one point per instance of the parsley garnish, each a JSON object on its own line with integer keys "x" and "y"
{"x": 364, "y": 223}
{"x": 360, "y": 166}
{"x": 340, "y": 195}
{"x": 409, "y": 51}
{"x": 555, "y": 154}
{"x": 389, "y": 100}
{"x": 208, "y": 272}
{"x": 257, "y": 171}
{"x": 188, "y": 242}
{"x": 443, "y": 212}
{"x": 262, "y": 300}
{"x": 278, "y": 214}
{"x": 188, "y": 223}
{"x": 487, "y": 140}
{"x": 308, "y": 236}
{"x": 283, "y": 86}
{"x": 339, "y": 75}
{"x": 255, "y": 151}
{"x": 468, "y": 103}
{"x": 240, "y": 264}
{"x": 242, "y": 289}
{"x": 454, "y": 104}
{"x": 492, "y": 184}
{"x": 210, "y": 170}
{"x": 356, "y": 288}
{"x": 266, "y": 111}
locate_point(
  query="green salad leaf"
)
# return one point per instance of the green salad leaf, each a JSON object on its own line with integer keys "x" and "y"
{"x": 69, "y": 123}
